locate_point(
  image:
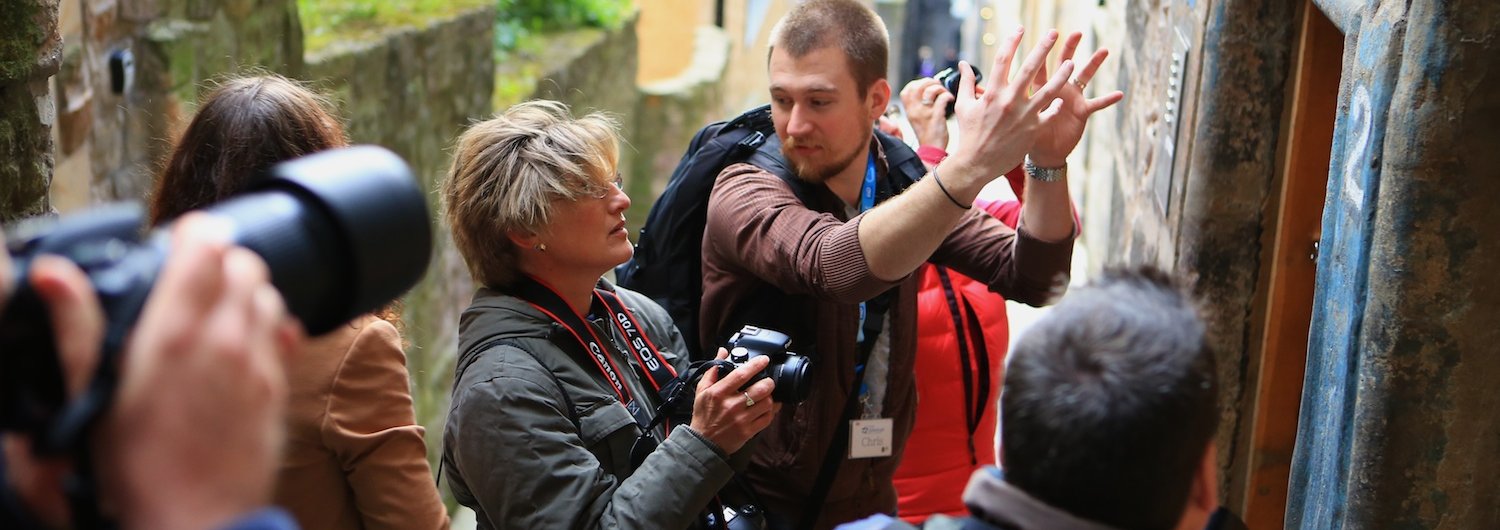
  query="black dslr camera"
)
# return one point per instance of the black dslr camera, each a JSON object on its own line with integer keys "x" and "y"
{"x": 950, "y": 77}
{"x": 343, "y": 233}
{"x": 790, "y": 372}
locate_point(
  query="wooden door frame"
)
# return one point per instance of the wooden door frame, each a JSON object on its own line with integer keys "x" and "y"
{"x": 1283, "y": 304}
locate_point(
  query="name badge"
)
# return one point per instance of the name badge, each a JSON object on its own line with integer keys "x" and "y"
{"x": 871, "y": 438}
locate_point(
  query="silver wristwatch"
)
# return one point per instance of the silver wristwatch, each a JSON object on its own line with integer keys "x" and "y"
{"x": 1045, "y": 174}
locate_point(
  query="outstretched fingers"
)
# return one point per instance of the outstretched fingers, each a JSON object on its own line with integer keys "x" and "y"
{"x": 1036, "y": 60}
{"x": 1103, "y": 102}
{"x": 1069, "y": 47}
{"x": 1045, "y": 97}
{"x": 1092, "y": 66}
{"x": 1000, "y": 71}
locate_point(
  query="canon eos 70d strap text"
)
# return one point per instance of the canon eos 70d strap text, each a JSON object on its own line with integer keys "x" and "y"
{"x": 658, "y": 371}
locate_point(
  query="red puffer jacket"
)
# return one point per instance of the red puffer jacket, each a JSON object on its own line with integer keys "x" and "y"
{"x": 957, "y": 377}
{"x": 956, "y": 401}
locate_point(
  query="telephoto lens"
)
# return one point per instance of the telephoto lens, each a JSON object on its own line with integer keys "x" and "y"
{"x": 343, "y": 233}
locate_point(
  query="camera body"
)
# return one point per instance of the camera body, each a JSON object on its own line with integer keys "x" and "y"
{"x": 791, "y": 372}
{"x": 949, "y": 78}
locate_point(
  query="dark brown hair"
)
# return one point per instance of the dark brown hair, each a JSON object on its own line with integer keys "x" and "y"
{"x": 1110, "y": 401}
{"x": 849, "y": 25}
{"x": 242, "y": 128}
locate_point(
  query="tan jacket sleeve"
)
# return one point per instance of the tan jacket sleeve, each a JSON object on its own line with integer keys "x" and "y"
{"x": 371, "y": 428}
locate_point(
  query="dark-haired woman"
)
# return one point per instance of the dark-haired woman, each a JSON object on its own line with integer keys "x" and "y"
{"x": 355, "y": 457}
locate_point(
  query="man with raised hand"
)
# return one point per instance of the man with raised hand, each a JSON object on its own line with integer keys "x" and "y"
{"x": 845, "y": 263}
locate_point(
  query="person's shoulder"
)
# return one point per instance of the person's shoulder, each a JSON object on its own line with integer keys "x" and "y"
{"x": 878, "y": 521}
{"x": 743, "y": 169}
{"x": 506, "y": 359}
{"x": 639, "y": 303}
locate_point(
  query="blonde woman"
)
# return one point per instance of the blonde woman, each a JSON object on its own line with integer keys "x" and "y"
{"x": 556, "y": 387}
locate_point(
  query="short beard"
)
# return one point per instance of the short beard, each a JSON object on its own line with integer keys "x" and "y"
{"x": 807, "y": 171}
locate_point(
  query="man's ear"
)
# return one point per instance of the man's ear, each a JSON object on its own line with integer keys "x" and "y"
{"x": 878, "y": 97}
{"x": 1205, "y": 491}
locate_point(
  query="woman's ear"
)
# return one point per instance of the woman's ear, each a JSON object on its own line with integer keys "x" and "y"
{"x": 523, "y": 239}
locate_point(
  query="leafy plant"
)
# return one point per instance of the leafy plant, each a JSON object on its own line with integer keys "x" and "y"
{"x": 516, "y": 19}
{"x": 328, "y": 21}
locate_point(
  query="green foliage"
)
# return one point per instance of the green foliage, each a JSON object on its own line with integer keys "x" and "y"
{"x": 325, "y": 22}
{"x": 516, "y": 20}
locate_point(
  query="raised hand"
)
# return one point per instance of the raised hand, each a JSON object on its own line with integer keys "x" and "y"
{"x": 926, "y": 101}
{"x": 1063, "y": 122}
{"x": 1000, "y": 124}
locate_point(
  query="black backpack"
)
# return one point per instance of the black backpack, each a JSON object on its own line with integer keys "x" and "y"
{"x": 669, "y": 251}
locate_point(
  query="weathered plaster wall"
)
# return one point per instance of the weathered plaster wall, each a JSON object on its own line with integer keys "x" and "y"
{"x": 30, "y": 50}
{"x": 664, "y": 30}
{"x": 748, "y": 24}
{"x": 1402, "y": 429}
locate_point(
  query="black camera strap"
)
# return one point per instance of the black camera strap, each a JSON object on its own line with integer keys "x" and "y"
{"x": 975, "y": 367}
{"x": 546, "y": 300}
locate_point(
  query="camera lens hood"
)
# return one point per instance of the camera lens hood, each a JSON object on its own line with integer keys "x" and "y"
{"x": 376, "y": 232}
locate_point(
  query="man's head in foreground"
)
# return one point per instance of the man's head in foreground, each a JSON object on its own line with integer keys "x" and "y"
{"x": 1109, "y": 406}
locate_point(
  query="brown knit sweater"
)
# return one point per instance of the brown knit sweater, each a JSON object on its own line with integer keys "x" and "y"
{"x": 760, "y": 236}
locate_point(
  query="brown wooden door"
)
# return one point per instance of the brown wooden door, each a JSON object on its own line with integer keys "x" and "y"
{"x": 1284, "y": 301}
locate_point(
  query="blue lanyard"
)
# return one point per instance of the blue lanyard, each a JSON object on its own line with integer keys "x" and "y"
{"x": 866, "y": 201}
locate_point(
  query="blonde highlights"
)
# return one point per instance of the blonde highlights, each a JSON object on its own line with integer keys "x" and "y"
{"x": 508, "y": 170}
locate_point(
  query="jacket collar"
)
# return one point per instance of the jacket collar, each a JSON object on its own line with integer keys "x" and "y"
{"x": 993, "y": 499}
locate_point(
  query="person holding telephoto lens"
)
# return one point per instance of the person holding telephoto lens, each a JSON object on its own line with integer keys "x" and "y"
{"x": 554, "y": 420}
{"x": 355, "y": 457}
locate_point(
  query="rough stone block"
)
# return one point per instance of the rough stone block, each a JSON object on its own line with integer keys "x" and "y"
{"x": 30, "y": 47}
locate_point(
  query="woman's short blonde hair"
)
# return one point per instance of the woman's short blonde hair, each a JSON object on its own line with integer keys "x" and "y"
{"x": 509, "y": 169}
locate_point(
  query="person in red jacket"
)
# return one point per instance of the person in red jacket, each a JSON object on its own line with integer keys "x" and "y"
{"x": 962, "y": 338}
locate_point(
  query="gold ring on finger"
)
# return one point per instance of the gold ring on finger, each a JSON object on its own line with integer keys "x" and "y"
{"x": 749, "y": 401}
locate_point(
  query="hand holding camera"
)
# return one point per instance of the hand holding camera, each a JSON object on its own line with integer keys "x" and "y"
{"x": 191, "y": 439}
{"x": 929, "y": 102}
{"x": 150, "y": 369}
{"x": 729, "y": 411}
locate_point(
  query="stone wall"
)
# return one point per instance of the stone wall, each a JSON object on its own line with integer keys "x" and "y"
{"x": 412, "y": 91}
{"x": 669, "y": 113}
{"x": 30, "y": 51}
{"x": 113, "y": 130}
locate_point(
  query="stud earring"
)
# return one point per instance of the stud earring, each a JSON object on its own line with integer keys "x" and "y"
{"x": 540, "y": 247}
